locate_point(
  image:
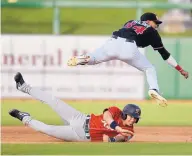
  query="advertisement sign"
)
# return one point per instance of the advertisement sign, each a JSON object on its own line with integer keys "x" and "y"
{"x": 42, "y": 59}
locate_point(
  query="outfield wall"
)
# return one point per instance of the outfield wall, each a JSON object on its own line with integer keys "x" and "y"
{"x": 172, "y": 84}
{"x": 42, "y": 60}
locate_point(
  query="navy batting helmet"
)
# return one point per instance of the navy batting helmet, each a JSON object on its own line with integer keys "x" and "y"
{"x": 132, "y": 110}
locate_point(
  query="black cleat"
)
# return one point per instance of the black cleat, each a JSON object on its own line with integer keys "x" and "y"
{"x": 20, "y": 83}
{"x": 17, "y": 114}
{"x": 19, "y": 80}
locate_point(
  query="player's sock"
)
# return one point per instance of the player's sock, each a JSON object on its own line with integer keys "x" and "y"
{"x": 26, "y": 120}
{"x": 25, "y": 88}
{"x": 92, "y": 60}
{"x": 152, "y": 79}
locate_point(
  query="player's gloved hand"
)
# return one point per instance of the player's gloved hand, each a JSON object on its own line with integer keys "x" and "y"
{"x": 125, "y": 132}
{"x": 184, "y": 73}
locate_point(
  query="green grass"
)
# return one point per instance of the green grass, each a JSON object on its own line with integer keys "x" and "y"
{"x": 99, "y": 149}
{"x": 73, "y": 20}
{"x": 152, "y": 114}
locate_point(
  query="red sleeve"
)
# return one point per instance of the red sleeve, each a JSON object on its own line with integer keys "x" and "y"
{"x": 115, "y": 111}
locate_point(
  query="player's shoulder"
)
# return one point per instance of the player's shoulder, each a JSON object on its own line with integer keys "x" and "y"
{"x": 143, "y": 23}
{"x": 114, "y": 107}
{"x": 115, "y": 111}
{"x": 129, "y": 21}
{"x": 151, "y": 30}
{"x": 155, "y": 33}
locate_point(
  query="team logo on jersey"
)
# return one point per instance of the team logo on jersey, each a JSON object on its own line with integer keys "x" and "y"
{"x": 139, "y": 29}
{"x": 138, "y": 26}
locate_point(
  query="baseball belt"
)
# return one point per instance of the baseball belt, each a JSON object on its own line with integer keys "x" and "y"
{"x": 126, "y": 39}
{"x": 86, "y": 127}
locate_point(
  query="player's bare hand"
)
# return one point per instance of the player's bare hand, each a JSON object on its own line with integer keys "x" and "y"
{"x": 105, "y": 138}
{"x": 184, "y": 73}
{"x": 124, "y": 132}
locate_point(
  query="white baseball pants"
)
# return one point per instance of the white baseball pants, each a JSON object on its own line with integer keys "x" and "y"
{"x": 120, "y": 49}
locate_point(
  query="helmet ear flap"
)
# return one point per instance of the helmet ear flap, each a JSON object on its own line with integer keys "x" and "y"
{"x": 137, "y": 120}
{"x": 123, "y": 116}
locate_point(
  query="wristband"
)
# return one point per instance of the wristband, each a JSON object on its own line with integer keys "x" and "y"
{"x": 112, "y": 140}
{"x": 178, "y": 67}
{"x": 113, "y": 125}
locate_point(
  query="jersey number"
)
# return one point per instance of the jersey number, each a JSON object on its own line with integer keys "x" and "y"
{"x": 139, "y": 29}
{"x": 130, "y": 24}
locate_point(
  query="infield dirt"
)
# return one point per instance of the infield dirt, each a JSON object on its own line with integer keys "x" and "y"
{"x": 23, "y": 134}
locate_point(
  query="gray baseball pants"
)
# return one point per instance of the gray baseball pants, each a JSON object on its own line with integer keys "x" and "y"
{"x": 120, "y": 49}
{"x": 73, "y": 130}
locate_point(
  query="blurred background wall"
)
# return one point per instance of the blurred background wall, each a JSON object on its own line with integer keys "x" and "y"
{"x": 39, "y": 36}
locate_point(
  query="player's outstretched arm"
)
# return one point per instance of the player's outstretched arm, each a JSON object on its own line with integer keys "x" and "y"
{"x": 171, "y": 61}
{"x": 108, "y": 118}
{"x": 117, "y": 138}
{"x": 157, "y": 44}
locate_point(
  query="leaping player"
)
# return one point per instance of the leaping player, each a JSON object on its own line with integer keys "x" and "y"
{"x": 123, "y": 45}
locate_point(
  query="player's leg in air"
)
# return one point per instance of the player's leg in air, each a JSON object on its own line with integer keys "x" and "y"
{"x": 107, "y": 52}
{"x": 140, "y": 62}
{"x": 126, "y": 52}
{"x": 74, "y": 120}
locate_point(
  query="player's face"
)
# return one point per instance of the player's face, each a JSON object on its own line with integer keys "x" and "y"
{"x": 153, "y": 24}
{"x": 130, "y": 120}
